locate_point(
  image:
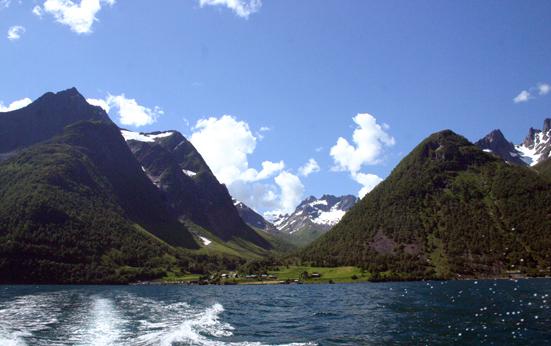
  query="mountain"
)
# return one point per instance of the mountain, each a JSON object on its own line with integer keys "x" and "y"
{"x": 535, "y": 148}
{"x": 447, "y": 210}
{"x": 77, "y": 206}
{"x": 537, "y": 144}
{"x": 496, "y": 144}
{"x": 79, "y": 209}
{"x": 189, "y": 186}
{"x": 44, "y": 118}
{"x": 253, "y": 219}
{"x": 314, "y": 217}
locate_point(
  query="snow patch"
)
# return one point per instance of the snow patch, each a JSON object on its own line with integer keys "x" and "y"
{"x": 318, "y": 202}
{"x": 205, "y": 241}
{"x": 143, "y": 137}
{"x": 331, "y": 217}
{"x": 161, "y": 135}
{"x": 130, "y": 135}
{"x": 189, "y": 173}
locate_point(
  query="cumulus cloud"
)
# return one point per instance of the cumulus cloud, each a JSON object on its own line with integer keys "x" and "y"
{"x": 100, "y": 103}
{"x": 369, "y": 140}
{"x": 269, "y": 168}
{"x": 541, "y": 89}
{"x": 15, "y": 32}
{"x": 309, "y": 167}
{"x": 292, "y": 191}
{"x": 129, "y": 111}
{"x": 523, "y": 96}
{"x": 37, "y": 11}
{"x": 544, "y": 88}
{"x": 368, "y": 181}
{"x": 80, "y": 17}
{"x": 5, "y": 4}
{"x": 15, "y": 105}
{"x": 226, "y": 143}
{"x": 242, "y": 8}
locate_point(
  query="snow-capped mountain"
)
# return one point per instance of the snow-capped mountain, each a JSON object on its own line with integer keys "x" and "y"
{"x": 313, "y": 217}
{"x": 537, "y": 144}
{"x": 535, "y": 148}
{"x": 188, "y": 185}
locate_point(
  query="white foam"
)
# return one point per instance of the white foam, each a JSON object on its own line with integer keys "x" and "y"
{"x": 78, "y": 319}
{"x": 105, "y": 325}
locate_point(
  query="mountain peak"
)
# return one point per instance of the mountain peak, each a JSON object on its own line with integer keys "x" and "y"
{"x": 314, "y": 216}
{"x": 547, "y": 125}
{"x": 45, "y": 117}
{"x": 496, "y": 143}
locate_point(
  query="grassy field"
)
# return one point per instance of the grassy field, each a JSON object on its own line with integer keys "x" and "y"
{"x": 181, "y": 278}
{"x": 291, "y": 273}
{"x": 337, "y": 274}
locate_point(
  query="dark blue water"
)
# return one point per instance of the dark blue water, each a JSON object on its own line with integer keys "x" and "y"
{"x": 458, "y": 312}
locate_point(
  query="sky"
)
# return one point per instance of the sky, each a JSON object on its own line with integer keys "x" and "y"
{"x": 286, "y": 98}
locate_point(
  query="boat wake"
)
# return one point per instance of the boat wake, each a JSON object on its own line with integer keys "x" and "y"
{"x": 75, "y": 319}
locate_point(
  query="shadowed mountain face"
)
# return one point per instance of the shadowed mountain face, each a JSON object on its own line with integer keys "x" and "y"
{"x": 44, "y": 118}
{"x": 78, "y": 208}
{"x": 447, "y": 210}
{"x": 496, "y": 143}
{"x": 189, "y": 186}
{"x": 253, "y": 219}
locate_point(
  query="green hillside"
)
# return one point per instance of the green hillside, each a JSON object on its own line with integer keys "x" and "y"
{"x": 447, "y": 210}
{"x": 73, "y": 210}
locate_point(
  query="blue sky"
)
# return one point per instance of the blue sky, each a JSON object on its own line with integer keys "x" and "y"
{"x": 303, "y": 69}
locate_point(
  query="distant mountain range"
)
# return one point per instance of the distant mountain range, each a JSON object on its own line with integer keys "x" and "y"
{"x": 535, "y": 148}
{"x": 312, "y": 218}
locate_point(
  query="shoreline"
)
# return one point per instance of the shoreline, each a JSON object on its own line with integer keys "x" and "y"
{"x": 326, "y": 282}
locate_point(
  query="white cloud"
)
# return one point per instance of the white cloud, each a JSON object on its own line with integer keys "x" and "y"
{"x": 269, "y": 168}
{"x": 369, "y": 139}
{"x": 540, "y": 89}
{"x": 15, "y": 32}
{"x": 101, "y": 103}
{"x": 5, "y": 3}
{"x": 544, "y": 88}
{"x": 37, "y": 11}
{"x": 132, "y": 113}
{"x": 292, "y": 191}
{"x": 242, "y": 8}
{"x": 523, "y": 96}
{"x": 15, "y": 105}
{"x": 129, "y": 111}
{"x": 369, "y": 181}
{"x": 309, "y": 167}
{"x": 226, "y": 143}
{"x": 80, "y": 17}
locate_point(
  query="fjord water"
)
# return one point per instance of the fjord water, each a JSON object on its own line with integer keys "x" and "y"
{"x": 489, "y": 312}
